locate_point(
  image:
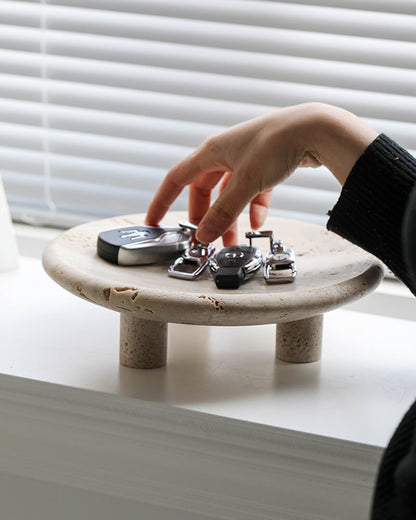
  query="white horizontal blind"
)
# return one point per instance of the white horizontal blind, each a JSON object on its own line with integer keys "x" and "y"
{"x": 98, "y": 98}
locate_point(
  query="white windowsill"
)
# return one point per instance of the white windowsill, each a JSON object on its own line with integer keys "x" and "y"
{"x": 222, "y": 398}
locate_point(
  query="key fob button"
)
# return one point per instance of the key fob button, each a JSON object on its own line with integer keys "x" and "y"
{"x": 232, "y": 255}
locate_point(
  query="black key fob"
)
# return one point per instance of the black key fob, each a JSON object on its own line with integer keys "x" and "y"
{"x": 233, "y": 265}
{"x": 138, "y": 245}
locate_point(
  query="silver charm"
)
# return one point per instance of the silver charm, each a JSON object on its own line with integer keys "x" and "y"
{"x": 280, "y": 264}
{"x": 194, "y": 260}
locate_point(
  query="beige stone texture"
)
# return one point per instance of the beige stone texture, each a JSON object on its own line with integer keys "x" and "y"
{"x": 300, "y": 341}
{"x": 331, "y": 273}
{"x": 143, "y": 343}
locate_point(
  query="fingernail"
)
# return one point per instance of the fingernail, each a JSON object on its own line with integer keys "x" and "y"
{"x": 207, "y": 233}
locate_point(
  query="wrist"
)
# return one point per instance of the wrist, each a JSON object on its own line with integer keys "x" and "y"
{"x": 336, "y": 138}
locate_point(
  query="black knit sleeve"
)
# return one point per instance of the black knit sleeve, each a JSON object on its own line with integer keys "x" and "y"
{"x": 372, "y": 206}
{"x": 377, "y": 211}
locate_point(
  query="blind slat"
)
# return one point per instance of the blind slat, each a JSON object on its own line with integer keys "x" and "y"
{"x": 119, "y": 125}
{"x": 263, "y": 92}
{"x": 315, "y": 18}
{"x": 25, "y": 161}
{"x": 331, "y": 46}
{"x": 137, "y": 6}
{"x": 169, "y": 106}
{"x": 377, "y": 105}
{"x": 224, "y": 62}
{"x": 162, "y": 130}
{"x": 20, "y": 13}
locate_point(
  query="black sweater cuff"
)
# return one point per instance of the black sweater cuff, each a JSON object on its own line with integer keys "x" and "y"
{"x": 372, "y": 204}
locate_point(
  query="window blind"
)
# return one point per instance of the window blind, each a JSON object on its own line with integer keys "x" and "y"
{"x": 98, "y": 98}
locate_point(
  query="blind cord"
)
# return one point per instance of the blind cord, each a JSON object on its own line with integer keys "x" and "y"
{"x": 45, "y": 110}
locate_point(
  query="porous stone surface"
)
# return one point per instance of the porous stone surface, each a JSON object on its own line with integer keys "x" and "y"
{"x": 330, "y": 273}
{"x": 300, "y": 341}
{"x": 143, "y": 343}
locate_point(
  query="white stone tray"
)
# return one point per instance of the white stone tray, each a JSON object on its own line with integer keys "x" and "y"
{"x": 330, "y": 273}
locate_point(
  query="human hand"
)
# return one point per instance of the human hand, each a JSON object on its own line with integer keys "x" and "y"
{"x": 252, "y": 157}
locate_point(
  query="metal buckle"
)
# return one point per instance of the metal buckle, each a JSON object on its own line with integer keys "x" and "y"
{"x": 280, "y": 264}
{"x": 194, "y": 260}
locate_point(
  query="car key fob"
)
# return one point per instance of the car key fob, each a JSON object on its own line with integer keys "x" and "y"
{"x": 233, "y": 265}
{"x": 138, "y": 245}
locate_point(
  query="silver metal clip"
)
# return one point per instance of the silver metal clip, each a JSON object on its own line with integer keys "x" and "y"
{"x": 280, "y": 264}
{"x": 194, "y": 260}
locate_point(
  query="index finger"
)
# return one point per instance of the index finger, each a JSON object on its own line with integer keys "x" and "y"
{"x": 186, "y": 171}
{"x": 164, "y": 197}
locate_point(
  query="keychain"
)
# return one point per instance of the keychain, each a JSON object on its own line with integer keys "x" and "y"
{"x": 194, "y": 260}
{"x": 233, "y": 265}
{"x": 138, "y": 245}
{"x": 279, "y": 265}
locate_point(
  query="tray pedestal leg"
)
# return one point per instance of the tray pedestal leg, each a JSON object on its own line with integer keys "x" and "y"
{"x": 299, "y": 341}
{"x": 143, "y": 343}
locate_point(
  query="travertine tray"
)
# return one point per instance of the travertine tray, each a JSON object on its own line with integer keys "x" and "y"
{"x": 330, "y": 273}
